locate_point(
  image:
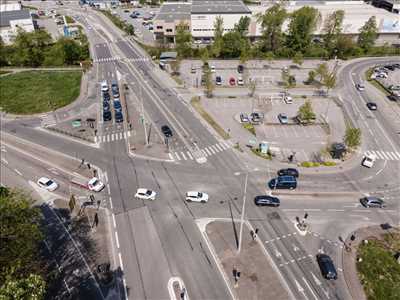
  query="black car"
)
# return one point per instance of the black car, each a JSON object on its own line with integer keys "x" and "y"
{"x": 265, "y": 200}
{"x": 372, "y": 202}
{"x": 372, "y": 106}
{"x": 240, "y": 69}
{"x": 117, "y": 106}
{"x": 119, "y": 117}
{"x": 106, "y": 106}
{"x": 327, "y": 267}
{"x": 166, "y": 131}
{"x": 288, "y": 172}
{"x": 106, "y": 96}
{"x": 390, "y": 67}
{"x": 107, "y": 116}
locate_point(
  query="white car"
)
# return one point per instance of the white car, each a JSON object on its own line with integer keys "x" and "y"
{"x": 197, "y": 42}
{"x": 212, "y": 69}
{"x": 240, "y": 81}
{"x": 145, "y": 194}
{"x": 368, "y": 160}
{"x": 95, "y": 184}
{"x": 104, "y": 86}
{"x": 360, "y": 86}
{"x": 288, "y": 99}
{"x": 196, "y": 197}
{"x": 47, "y": 184}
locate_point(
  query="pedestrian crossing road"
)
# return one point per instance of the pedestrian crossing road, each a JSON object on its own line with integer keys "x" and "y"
{"x": 112, "y": 137}
{"x": 48, "y": 120}
{"x": 386, "y": 155}
{"x": 205, "y": 152}
{"x": 108, "y": 59}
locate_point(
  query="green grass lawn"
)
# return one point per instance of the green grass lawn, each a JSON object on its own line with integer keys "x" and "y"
{"x": 379, "y": 271}
{"x": 38, "y": 91}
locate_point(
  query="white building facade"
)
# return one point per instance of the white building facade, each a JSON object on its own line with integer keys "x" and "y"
{"x": 13, "y": 20}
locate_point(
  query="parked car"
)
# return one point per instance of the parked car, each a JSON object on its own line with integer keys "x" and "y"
{"x": 393, "y": 87}
{"x": 288, "y": 99}
{"x": 232, "y": 81}
{"x": 197, "y": 42}
{"x": 283, "y": 118}
{"x": 166, "y": 131}
{"x": 372, "y": 202}
{"x": 196, "y": 197}
{"x": 327, "y": 267}
{"x": 288, "y": 172}
{"x": 240, "y": 69}
{"x": 107, "y": 116}
{"x": 119, "y": 118}
{"x": 145, "y": 194}
{"x": 193, "y": 70}
{"x": 218, "y": 80}
{"x": 106, "y": 106}
{"x": 212, "y": 69}
{"x": 104, "y": 86}
{"x": 255, "y": 118}
{"x": 360, "y": 86}
{"x": 106, "y": 96}
{"x": 372, "y": 106}
{"x": 265, "y": 200}
{"x": 240, "y": 81}
{"x": 244, "y": 118}
{"x": 95, "y": 184}
{"x": 47, "y": 184}
{"x": 117, "y": 106}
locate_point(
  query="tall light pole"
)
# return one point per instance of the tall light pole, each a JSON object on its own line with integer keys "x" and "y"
{"x": 143, "y": 118}
{"x": 243, "y": 211}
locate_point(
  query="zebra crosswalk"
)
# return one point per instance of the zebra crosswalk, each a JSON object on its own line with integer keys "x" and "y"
{"x": 48, "y": 120}
{"x": 112, "y": 137}
{"x": 386, "y": 155}
{"x": 201, "y": 153}
{"x": 109, "y": 59}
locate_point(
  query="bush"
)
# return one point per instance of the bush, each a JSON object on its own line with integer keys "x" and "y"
{"x": 250, "y": 128}
{"x": 329, "y": 163}
{"x": 310, "y": 164}
{"x": 257, "y": 152}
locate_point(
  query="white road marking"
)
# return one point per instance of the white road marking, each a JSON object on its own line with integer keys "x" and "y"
{"x": 18, "y": 172}
{"x": 4, "y": 161}
{"x": 129, "y": 133}
{"x": 171, "y": 156}
{"x": 211, "y": 149}
{"x": 111, "y": 204}
{"x": 215, "y": 148}
{"x": 312, "y": 292}
{"x": 116, "y": 238}
{"x": 120, "y": 261}
{"x": 177, "y": 156}
{"x": 190, "y": 155}
{"x": 183, "y": 155}
{"x": 208, "y": 151}
{"x": 204, "y": 152}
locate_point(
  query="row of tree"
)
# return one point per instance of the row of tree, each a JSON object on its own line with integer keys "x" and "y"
{"x": 37, "y": 48}
{"x": 21, "y": 270}
{"x": 298, "y": 40}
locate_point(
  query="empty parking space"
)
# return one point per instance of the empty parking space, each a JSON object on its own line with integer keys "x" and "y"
{"x": 294, "y": 131}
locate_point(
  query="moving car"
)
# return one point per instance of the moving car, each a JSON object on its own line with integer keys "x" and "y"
{"x": 372, "y": 202}
{"x": 255, "y": 118}
{"x": 288, "y": 172}
{"x": 166, "y": 131}
{"x": 372, "y": 106}
{"x": 283, "y": 182}
{"x": 196, "y": 197}
{"x": 265, "y": 200}
{"x": 47, "y": 184}
{"x": 218, "y": 80}
{"x": 232, "y": 81}
{"x": 104, "y": 86}
{"x": 368, "y": 160}
{"x": 244, "y": 118}
{"x": 117, "y": 105}
{"x": 240, "y": 68}
{"x": 240, "y": 81}
{"x": 145, "y": 194}
{"x": 283, "y": 118}
{"x": 360, "y": 86}
{"x": 107, "y": 116}
{"x": 95, "y": 184}
{"x": 327, "y": 267}
{"x": 119, "y": 118}
{"x": 288, "y": 99}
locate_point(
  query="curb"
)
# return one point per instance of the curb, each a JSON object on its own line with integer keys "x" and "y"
{"x": 317, "y": 193}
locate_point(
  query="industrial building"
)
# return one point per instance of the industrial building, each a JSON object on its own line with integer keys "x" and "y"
{"x": 12, "y": 18}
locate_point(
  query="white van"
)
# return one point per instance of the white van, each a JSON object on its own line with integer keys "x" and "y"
{"x": 368, "y": 160}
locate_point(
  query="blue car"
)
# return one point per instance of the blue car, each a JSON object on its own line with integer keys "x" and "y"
{"x": 119, "y": 117}
{"x": 117, "y": 106}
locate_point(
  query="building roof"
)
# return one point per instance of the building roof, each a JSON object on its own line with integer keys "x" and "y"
{"x": 170, "y": 12}
{"x": 219, "y": 7}
{"x": 7, "y": 16}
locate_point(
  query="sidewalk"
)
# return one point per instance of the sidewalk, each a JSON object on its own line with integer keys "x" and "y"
{"x": 349, "y": 259}
{"x": 257, "y": 275}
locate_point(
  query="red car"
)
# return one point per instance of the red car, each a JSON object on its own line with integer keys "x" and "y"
{"x": 232, "y": 81}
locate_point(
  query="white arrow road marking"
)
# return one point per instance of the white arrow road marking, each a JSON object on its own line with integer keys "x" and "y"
{"x": 299, "y": 287}
{"x": 295, "y": 248}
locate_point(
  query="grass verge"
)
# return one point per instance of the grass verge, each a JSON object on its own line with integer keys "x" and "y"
{"x": 258, "y": 152}
{"x": 195, "y": 102}
{"x": 378, "y": 269}
{"x": 38, "y": 91}
{"x": 375, "y": 82}
{"x": 2, "y": 72}
{"x": 250, "y": 128}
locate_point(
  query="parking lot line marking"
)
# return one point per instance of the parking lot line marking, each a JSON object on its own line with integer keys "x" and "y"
{"x": 183, "y": 155}
{"x": 204, "y": 152}
{"x": 177, "y": 156}
{"x": 219, "y": 147}
{"x": 275, "y": 132}
{"x": 190, "y": 155}
{"x": 294, "y": 131}
{"x": 208, "y": 151}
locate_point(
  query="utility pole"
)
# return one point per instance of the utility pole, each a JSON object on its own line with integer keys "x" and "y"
{"x": 243, "y": 210}
{"x": 143, "y": 118}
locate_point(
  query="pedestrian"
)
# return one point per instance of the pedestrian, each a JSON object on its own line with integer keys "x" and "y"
{"x": 290, "y": 158}
{"x": 95, "y": 132}
{"x": 88, "y": 165}
{"x": 255, "y": 232}
{"x": 130, "y": 126}
{"x": 252, "y": 234}
{"x": 82, "y": 162}
{"x": 91, "y": 197}
{"x": 94, "y": 173}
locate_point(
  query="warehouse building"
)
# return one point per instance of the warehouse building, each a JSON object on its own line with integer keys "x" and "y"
{"x": 12, "y": 18}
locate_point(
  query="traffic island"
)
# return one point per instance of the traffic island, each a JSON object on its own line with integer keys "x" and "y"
{"x": 249, "y": 274}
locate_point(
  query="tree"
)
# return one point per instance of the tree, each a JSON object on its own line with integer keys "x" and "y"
{"x": 321, "y": 71}
{"x": 298, "y": 58}
{"x": 326, "y": 77}
{"x": 252, "y": 87}
{"x": 20, "y": 237}
{"x": 3, "y": 53}
{"x": 209, "y": 83}
{"x": 302, "y": 24}
{"x": 271, "y": 23}
{"x": 205, "y": 55}
{"x": 288, "y": 80}
{"x": 30, "y": 287}
{"x": 352, "y": 137}
{"x": 183, "y": 40}
{"x": 232, "y": 44}
{"x": 242, "y": 27}
{"x": 368, "y": 34}
{"x": 218, "y": 33}
{"x": 129, "y": 29}
{"x": 306, "y": 112}
{"x": 311, "y": 77}
{"x": 333, "y": 30}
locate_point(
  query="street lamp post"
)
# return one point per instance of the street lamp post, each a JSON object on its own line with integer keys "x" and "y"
{"x": 243, "y": 211}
